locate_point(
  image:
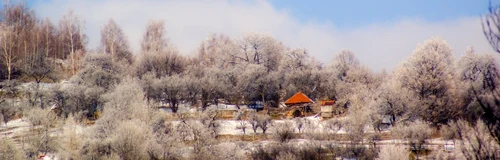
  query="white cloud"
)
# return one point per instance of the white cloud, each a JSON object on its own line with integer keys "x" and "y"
{"x": 378, "y": 46}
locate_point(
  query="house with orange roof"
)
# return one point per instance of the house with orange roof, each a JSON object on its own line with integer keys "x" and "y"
{"x": 298, "y": 98}
{"x": 298, "y": 103}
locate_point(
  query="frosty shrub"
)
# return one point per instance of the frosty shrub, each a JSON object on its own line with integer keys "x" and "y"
{"x": 416, "y": 133}
{"x": 282, "y": 132}
{"x": 43, "y": 117}
{"x": 476, "y": 142}
{"x": 332, "y": 126}
{"x": 7, "y": 111}
{"x": 131, "y": 139}
{"x": 393, "y": 152}
{"x": 8, "y": 150}
{"x": 71, "y": 141}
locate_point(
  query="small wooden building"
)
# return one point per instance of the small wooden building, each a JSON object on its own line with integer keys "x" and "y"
{"x": 327, "y": 108}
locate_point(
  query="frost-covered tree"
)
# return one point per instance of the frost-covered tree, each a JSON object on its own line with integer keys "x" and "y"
{"x": 345, "y": 61}
{"x": 99, "y": 75}
{"x": 346, "y": 77}
{"x": 213, "y": 87}
{"x": 258, "y": 85}
{"x": 480, "y": 77}
{"x": 154, "y": 39}
{"x": 100, "y": 71}
{"x": 39, "y": 139}
{"x": 126, "y": 126}
{"x": 114, "y": 42}
{"x": 476, "y": 142}
{"x": 172, "y": 90}
{"x": 332, "y": 126}
{"x": 74, "y": 39}
{"x": 415, "y": 133}
{"x": 302, "y": 73}
{"x": 428, "y": 75}
{"x": 168, "y": 62}
{"x": 260, "y": 49}
{"x": 395, "y": 102}
{"x": 215, "y": 51}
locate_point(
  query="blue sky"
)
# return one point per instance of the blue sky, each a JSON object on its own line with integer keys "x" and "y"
{"x": 381, "y": 33}
{"x": 354, "y": 13}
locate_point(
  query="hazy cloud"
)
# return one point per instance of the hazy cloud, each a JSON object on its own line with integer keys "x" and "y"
{"x": 378, "y": 46}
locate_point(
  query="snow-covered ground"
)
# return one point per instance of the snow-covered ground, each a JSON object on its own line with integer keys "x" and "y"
{"x": 314, "y": 125}
{"x": 14, "y": 128}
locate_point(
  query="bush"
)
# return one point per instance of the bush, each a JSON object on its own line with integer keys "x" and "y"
{"x": 8, "y": 150}
{"x": 130, "y": 140}
{"x": 283, "y": 132}
{"x": 393, "y": 152}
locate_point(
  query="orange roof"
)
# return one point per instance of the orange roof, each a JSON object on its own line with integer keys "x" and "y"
{"x": 327, "y": 103}
{"x": 298, "y": 98}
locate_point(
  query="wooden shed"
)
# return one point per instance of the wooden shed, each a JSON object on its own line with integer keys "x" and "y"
{"x": 327, "y": 108}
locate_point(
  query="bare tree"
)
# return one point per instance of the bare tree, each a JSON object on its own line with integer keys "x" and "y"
{"x": 39, "y": 67}
{"x": 154, "y": 39}
{"x": 7, "y": 41}
{"x": 49, "y": 36}
{"x": 476, "y": 142}
{"x": 114, "y": 42}
{"x": 264, "y": 121}
{"x": 491, "y": 24}
{"x": 242, "y": 125}
{"x": 215, "y": 51}
{"x": 261, "y": 49}
{"x": 344, "y": 61}
{"x": 172, "y": 90}
{"x": 252, "y": 120}
{"x": 18, "y": 40}
{"x": 74, "y": 40}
